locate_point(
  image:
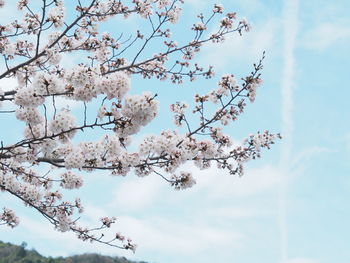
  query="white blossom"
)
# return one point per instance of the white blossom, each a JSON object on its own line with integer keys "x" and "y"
{"x": 8, "y": 216}
{"x": 44, "y": 84}
{"x": 140, "y": 110}
{"x": 75, "y": 159}
{"x": 56, "y": 15}
{"x": 29, "y": 114}
{"x": 10, "y": 49}
{"x": 53, "y": 55}
{"x": 163, "y": 3}
{"x": 115, "y": 85}
{"x": 174, "y": 14}
{"x": 182, "y": 181}
{"x": 70, "y": 180}
{"x": 63, "y": 121}
{"x": 28, "y": 98}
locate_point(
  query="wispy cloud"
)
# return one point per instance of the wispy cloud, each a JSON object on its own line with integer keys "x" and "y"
{"x": 307, "y": 154}
{"x": 290, "y": 34}
{"x": 325, "y": 35}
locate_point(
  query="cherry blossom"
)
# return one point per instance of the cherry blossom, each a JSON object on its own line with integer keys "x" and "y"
{"x": 100, "y": 84}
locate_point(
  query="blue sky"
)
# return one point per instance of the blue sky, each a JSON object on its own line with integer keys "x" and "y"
{"x": 291, "y": 206}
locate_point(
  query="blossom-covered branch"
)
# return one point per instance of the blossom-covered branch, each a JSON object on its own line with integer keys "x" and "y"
{"x": 34, "y": 49}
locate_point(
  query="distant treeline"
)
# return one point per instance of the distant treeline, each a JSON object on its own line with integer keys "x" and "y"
{"x": 10, "y": 253}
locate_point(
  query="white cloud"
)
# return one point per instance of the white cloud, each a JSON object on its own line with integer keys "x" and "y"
{"x": 219, "y": 184}
{"x": 192, "y": 232}
{"x": 325, "y": 35}
{"x": 7, "y": 84}
{"x": 39, "y": 233}
{"x": 188, "y": 237}
{"x": 138, "y": 193}
{"x": 151, "y": 234}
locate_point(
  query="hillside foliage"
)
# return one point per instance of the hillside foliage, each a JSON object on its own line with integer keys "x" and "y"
{"x": 10, "y": 253}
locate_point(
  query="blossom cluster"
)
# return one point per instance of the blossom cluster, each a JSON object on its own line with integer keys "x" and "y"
{"x": 29, "y": 191}
{"x": 71, "y": 181}
{"x": 9, "y": 218}
{"x": 182, "y": 181}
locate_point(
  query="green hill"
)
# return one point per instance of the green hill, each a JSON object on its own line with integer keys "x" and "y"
{"x": 10, "y": 253}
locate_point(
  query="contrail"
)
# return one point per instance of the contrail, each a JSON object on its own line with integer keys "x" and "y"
{"x": 290, "y": 27}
